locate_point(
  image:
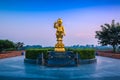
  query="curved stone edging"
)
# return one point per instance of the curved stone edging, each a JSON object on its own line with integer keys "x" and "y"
{"x": 87, "y": 61}
{"x": 30, "y": 61}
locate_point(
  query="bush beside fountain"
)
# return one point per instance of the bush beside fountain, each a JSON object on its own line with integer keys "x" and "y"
{"x": 85, "y": 53}
{"x": 43, "y": 56}
{"x": 34, "y": 53}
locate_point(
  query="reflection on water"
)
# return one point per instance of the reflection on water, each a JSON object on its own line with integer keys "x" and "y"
{"x": 16, "y": 68}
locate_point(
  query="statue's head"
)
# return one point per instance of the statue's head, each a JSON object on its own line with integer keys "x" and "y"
{"x": 59, "y": 21}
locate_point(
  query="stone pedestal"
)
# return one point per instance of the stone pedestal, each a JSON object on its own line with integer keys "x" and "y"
{"x": 58, "y": 59}
{"x": 59, "y": 47}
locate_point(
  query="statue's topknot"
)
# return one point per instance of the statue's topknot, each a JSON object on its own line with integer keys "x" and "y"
{"x": 59, "y": 20}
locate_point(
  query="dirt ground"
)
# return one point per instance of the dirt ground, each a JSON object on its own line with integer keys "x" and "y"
{"x": 108, "y": 54}
{"x": 8, "y": 54}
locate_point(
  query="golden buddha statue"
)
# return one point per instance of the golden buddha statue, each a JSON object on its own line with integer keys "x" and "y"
{"x": 59, "y": 46}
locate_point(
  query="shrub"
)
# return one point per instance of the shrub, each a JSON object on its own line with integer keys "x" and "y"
{"x": 85, "y": 53}
{"x": 6, "y": 44}
{"x": 10, "y": 49}
{"x": 33, "y": 53}
{"x": 50, "y": 49}
{"x": 69, "y": 49}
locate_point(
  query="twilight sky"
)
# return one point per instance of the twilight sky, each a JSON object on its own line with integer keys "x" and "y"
{"x": 31, "y": 21}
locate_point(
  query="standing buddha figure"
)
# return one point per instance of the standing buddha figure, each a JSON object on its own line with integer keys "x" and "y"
{"x": 60, "y": 32}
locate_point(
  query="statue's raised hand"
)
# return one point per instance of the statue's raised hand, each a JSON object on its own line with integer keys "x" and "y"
{"x": 55, "y": 24}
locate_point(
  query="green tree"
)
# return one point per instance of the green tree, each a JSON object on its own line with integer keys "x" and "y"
{"x": 19, "y": 45}
{"x": 6, "y": 44}
{"x": 109, "y": 34}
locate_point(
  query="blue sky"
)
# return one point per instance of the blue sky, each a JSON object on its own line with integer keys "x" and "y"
{"x": 31, "y": 21}
{"x": 53, "y": 5}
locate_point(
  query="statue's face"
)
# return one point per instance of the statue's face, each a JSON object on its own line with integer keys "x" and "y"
{"x": 59, "y": 22}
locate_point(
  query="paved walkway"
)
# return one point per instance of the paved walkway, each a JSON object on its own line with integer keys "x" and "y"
{"x": 15, "y": 69}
